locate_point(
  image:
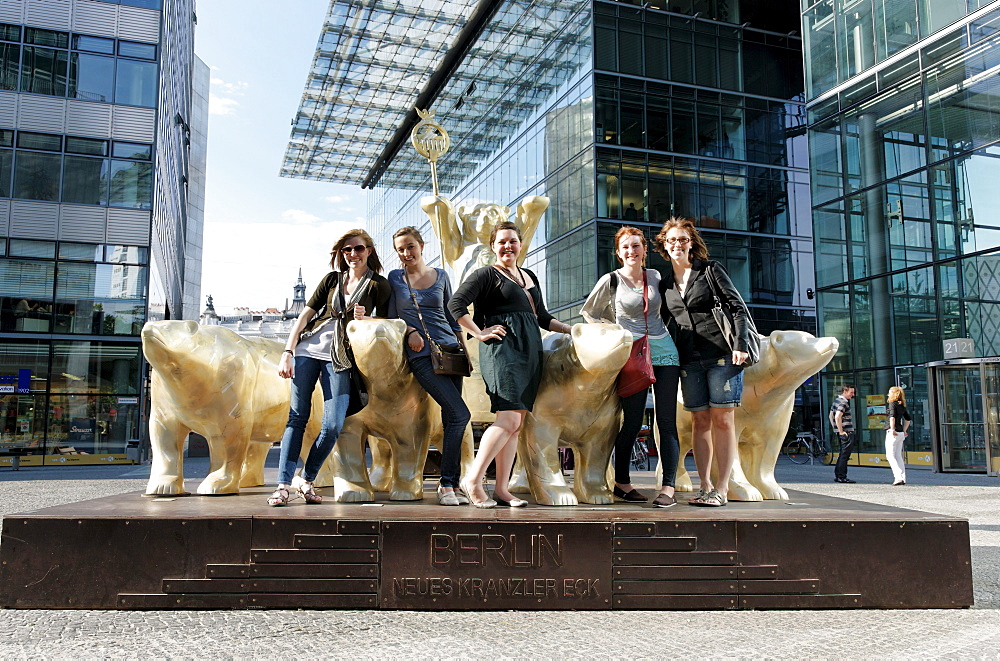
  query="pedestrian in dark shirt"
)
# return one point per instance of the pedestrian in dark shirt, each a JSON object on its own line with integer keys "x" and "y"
{"x": 843, "y": 427}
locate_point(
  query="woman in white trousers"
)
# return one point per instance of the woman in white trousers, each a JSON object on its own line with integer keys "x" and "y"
{"x": 895, "y": 434}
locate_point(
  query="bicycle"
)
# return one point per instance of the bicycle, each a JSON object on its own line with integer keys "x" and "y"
{"x": 807, "y": 447}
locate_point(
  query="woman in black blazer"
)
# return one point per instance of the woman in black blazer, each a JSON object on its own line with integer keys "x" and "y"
{"x": 711, "y": 371}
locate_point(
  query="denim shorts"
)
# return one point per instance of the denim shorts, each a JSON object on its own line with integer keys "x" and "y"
{"x": 711, "y": 383}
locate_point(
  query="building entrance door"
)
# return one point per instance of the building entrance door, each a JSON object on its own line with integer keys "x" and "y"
{"x": 965, "y": 430}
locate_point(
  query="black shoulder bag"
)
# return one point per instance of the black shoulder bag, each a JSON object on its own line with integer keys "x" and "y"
{"x": 450, "y": 361}
{"x": 724, "y": 317}
{"x": 359, "y": 391}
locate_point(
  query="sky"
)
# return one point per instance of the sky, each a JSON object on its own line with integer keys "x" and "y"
{"x": 260, "y": 227}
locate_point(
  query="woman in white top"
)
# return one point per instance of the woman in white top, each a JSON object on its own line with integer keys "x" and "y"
{"x": 617, "y": 298}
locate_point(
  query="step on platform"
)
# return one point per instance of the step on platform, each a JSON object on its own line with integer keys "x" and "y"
{"x": 130, "y": 552}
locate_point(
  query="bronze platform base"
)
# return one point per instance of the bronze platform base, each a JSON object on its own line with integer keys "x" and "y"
{"x": 235, "y": 552}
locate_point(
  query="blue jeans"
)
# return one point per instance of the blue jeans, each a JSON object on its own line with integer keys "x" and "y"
{"x": 665, "y": 412}
{"x": 446, "y": 390}
{"x": 336, "y": 396}
{"x": 715, "y": 383}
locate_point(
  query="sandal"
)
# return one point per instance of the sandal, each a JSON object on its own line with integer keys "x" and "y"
{"x": 697, "y": 500}
{"x": 307, "y": 490}
{"x": 279, "y": 498}
{"x": 712, "y": 499}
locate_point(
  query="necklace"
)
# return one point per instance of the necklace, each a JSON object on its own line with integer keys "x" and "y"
{"x": 522, "y": 283}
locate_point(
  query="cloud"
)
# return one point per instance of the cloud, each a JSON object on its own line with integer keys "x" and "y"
{"x": 300, "y": 217}
{"x": 223, "y": 87}
{"x": 220, "y": 106}
{"x": 336, "y": 199}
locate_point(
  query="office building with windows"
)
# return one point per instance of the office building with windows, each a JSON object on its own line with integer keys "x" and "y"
{"x": 101, "y": 161}
{"x": 619, "y": 112}
{"x": 904, "y": 140}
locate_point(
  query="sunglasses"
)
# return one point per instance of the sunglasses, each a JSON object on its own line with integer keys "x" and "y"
{"x": 347, "y": 250}
{"x": 681, "y": 241}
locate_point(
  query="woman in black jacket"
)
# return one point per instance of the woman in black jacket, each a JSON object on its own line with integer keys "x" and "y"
{"x": 711, "y": 370}
{"x": 317, "y": 350}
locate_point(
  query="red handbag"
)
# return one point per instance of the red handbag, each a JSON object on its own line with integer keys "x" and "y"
{"x": 637, "y": 374}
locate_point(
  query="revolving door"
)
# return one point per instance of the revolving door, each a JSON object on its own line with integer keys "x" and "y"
{"x": 965, "y": 415}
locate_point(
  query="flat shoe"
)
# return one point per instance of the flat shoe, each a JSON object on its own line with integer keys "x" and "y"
{"x": 632, "y": 496}
{"x": 447, "y": 497}
{"x": 663, "y": 500}
{"x": 481, "y": 504}
{"x": 899, "y": 483}
{"x": 513, "y": 502}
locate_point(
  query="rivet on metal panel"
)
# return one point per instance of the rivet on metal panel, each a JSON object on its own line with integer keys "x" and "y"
{"x": 619, "y": 572}
{"x": 184, "y": 523}
{"x": 434, "y": 527}
{"x": 387, "y": 526}
{"x": 755, "y": 525}
{"x": 230, "y": 523}
{"x": 274, "y": 523}
{"x": 606, "y": 601}
{"x": 804, "y": 525}
{"x": 324, "y": 523}
{"x": 127, "y": 522}
{"x": 177, "y": 601}
{"x": 489, "y": 527}
{"x": 79, "y": 522}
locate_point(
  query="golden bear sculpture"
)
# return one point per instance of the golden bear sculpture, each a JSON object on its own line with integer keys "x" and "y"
{"x": 400, "y": 414}
{"x": 209, "y": 380}
{"x": 788, "y": 358}
{"x": 576, "y": 407}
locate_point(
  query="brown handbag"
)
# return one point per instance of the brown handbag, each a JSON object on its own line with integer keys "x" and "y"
{"x": 637, "y": 374}
{"x": 449, "y": 361}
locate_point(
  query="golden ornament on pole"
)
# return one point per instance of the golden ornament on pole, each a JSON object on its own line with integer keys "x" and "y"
{"x": 430, "y": 140}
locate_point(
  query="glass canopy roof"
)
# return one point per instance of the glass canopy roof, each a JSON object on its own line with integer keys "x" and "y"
{"x": 374, "y": 57}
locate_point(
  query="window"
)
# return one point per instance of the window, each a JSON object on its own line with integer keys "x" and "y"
{"x": 43, "y": 71}
{"x": 36, "y": 176}
{"x": 25, "y": 295}
{"x": 91, "y": 77}
{"x": 85, "y": 180}
{"x": 131, "y": 184}
{"x": 83, "y": 176}
{"x": 78, "y": 66}
{"x": 10, "y": 59}
{"x": 136, "y": 83}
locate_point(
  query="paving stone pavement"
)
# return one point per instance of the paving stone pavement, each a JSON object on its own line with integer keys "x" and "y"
{"x": 971, "y": 633}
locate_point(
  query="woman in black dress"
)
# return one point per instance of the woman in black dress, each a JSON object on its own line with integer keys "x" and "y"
{"x": 509, "y": 313}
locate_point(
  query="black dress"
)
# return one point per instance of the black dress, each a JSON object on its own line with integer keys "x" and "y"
{"x": 512, "y": 367}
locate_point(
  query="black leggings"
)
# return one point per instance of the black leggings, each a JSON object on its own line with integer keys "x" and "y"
{"x": 665, "y": 412}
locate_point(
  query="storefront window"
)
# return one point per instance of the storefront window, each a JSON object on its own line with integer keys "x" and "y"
{"x": 80, "y": 424}
{"x": 95, "y": 368}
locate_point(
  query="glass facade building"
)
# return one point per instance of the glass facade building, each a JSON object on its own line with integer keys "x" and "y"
{"x": 95, "y": 105}
{"x": 620, "y": 113}
{"x": 904, "y": 144}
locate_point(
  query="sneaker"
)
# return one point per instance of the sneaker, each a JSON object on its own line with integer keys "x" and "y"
{"x": 663, "y": 500}
{"x": 844, "y": 480}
